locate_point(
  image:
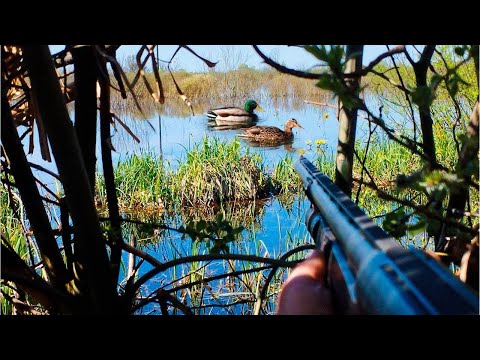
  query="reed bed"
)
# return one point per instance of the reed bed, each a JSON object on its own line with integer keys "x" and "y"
{"x": 11, "y": 211}
{"x": 208, "y": 89}
{"x": 213, "y": 173}
{"x": 216, "y": 171}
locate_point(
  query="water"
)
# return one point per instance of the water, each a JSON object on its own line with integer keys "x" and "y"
{"x": 271, "y": 227}
{"x": 173, "y": 135}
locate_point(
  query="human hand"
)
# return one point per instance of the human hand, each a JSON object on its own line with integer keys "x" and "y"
{"x": 304, "y": 292}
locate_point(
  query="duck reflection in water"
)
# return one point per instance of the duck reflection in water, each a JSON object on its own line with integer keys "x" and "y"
{"x": 271, "y": 136}
{"x": 287, "y": 144}
{"x": 214, "y": 126}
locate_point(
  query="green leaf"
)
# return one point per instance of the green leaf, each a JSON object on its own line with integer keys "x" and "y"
{"x": 460, "y": 50}
{"x": 423, "y": 96}
{"x": 326, "y": 82}
{"x": 319, "y": 52}
{"x": 433, "y": 226}
{"x": 201, "y": 225}
{"x": 435, "y": 81}
{"x": 417, "y": 228}
{"x": 395, "y": 223}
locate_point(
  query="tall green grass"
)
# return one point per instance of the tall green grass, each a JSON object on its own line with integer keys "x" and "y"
{"x": 216, "y": 171}
{"x": 284, "y": 177}
{"x": 12, "y": 231}
{"x": 142, "y": 183}
{"x": 385, "y": 160}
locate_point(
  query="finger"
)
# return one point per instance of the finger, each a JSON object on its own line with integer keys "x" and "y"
{"x": 304, "y": 296}
{"x": 313, "y": 267}
{"x": 305, "y": 292}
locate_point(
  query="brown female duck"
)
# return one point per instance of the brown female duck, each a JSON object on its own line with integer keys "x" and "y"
{"x": 270, "y": 133}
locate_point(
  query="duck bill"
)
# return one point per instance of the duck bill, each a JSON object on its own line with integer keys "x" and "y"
{"x": 259, "y": 108}
{"x": 299, "y": 126}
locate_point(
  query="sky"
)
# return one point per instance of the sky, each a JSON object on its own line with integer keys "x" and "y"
{"x": 234, "y": 55}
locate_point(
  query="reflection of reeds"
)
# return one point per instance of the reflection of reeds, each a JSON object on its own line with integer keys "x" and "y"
{"x": 248, "y": 214}
{"x": 222, "y": 286}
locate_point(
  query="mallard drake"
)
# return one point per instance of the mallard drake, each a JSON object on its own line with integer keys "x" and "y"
{"x": 235, "y": 115}
{"x": 271, "y": 133}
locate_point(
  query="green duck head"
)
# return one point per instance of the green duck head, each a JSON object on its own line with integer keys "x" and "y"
{"x": 251, "y": 105}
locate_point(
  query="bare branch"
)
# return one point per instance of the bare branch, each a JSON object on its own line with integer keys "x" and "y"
{"x": 329, "y": 105}
{"x": 263, "y": 292}
{"x": 127, "y": 129}
{"x": 208, "y": 62}
{"x": 390, "y": 81}
{"x": 141, "y": 254}
{"x": 156, "y": 74}
{"x": 41, "y": 168}
{"x": 192, "y": 258}
{"x": 409, "y": 58}
{"x": 174, "y": 301}
{"x": 125, "y": 79}
{"x": 284, "y": 69}
{"x": 396, "y": 50}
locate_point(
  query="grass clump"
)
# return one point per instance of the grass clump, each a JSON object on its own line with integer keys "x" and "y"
{"x": 216, "y": 171}
{"x": 284, "y": 177}
{"x": 142, "y": 184}
{"x": 11, "y": 211}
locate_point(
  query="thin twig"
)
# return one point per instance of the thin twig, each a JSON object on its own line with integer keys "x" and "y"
{"x": 125, "y": 79}
{"x": 362, "y": 162}
{"x": 164, "y": 227}
{"x": 41, "y": 168}
{"x": 174, "y": 301}
{"x": 263, "y": 292}
{"x": 156, "y": 74}
{"x": 23, "y": 306}
{"x": 141, "y": 254}
{"x": 203, "y": 281}
{"x": 284, "y": 69}
{"x": 47, "y": 189}
{"x": 238, "y": 302}
{"x": 396, "y": 50}
{"x": 407, "y": 95}
{"x": 127, "y": 129}
{"x": 209, "y": 63}
{"x": 330, "y": 105}
{"x": 207, "y": 257}
{"x": 422, "y": 209}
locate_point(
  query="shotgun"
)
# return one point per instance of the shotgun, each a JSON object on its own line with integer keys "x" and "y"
{"x": 368, "y": 271}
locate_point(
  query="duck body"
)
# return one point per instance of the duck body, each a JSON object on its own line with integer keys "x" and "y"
{"x": 231, "y": 116}
{"x": 234, "y": 115}
{"x": 271, "y": 134}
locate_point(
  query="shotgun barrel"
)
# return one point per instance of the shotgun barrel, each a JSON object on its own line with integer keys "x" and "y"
{"x": 369, "y": 271}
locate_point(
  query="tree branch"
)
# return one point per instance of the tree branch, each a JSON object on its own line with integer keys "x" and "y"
{"x": 284, "y": 69}
{"x": 193, "y": 258}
